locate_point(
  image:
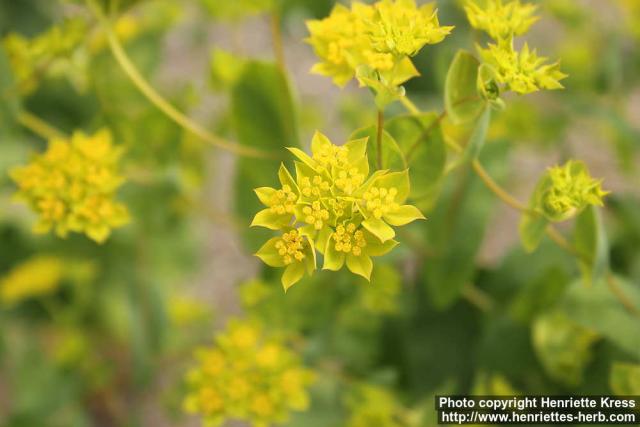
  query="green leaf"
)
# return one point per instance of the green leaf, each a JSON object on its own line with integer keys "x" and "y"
{"x": 420, "y": 139}
{"x": 263, "y": 117}
{"x": 625, "y": 379}
{"x": 292, "y": 274}
{"x": 563, "y": 347}
{"x": 392, "y": 156}
{"x": 404, "y": 215}
{"x": 532, "y": 229}
{"x": 379, "y": 228}
{"x": 456, "y": 228}
{"x": 597, "y": 307}
{"x": 590, "y": 240}
{"x": 478, "y": 136}
{"x": 360, "y": 265}
{"x": 461, "y": 98}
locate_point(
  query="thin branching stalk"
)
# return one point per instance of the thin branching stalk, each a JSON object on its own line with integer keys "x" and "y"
{"x": 379, "y": 137}
{"x": 161, "y": 103}
{"x": 38, "y": 126}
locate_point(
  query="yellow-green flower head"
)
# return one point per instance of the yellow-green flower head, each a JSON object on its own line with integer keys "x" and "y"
{"x": 502, "y": 20}
{"x": 401, "y": 28}
{"x": 522, "y": 72}
{"x": 71, "y": 186}
{"x": 30, "y": 58}
{"x": 380, "y": 37}
{"x": 37, "y": 276}
{"x": 333, "y": 206}
{"x": 247, "y": 376}
{"x": 569, "y": 189}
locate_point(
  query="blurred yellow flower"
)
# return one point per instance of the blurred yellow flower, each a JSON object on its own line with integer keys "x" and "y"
{"x": 72, "y": 186}
{"x": 382, "y": 36}
{"x": 30, "y": 58}
{"x": 501, "y": 20}
{"x": 37, "y": 276}
{"x": 247, "y": 376}
{"x": 372, "y": 405}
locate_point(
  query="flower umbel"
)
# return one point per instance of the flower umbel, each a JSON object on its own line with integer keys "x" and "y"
{"x": 570, "y": 189}
{"x": 247, "y": 376}
{"x": 72, "y": 186}
{"x": 382, "y": 36}
{"x": 336, "y": 209}
{"x": 519, "y": 71}
{"x": 501, "y": 20}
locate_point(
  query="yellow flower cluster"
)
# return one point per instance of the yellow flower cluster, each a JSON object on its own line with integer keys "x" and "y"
{"x": 335, "y": 207}
{"x": 382, "y": 36}
{"x": 247, "y": 377}
{"x": 570, "y": 189}
{"x": 37, "y": 276}
{"x": 520, "y": 71}
{"x": 72, "y": 186}
{"x": 31, "y": 58}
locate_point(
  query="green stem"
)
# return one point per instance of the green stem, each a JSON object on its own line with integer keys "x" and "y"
{"x": 379, "y": 137}
{"x": 156, "y": 99}
{"x": 39, "y": 126}
{"x": 276, "y": 36}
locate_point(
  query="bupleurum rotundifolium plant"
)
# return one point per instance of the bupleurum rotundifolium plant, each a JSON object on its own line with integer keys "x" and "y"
{"x": 334, "y": 206}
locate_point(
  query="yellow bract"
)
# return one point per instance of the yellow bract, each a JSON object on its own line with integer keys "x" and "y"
{"x": 72, "y": 186}
{"x": 381, "y": 36}
{"x": 37, "y": 276}
{"x": 245, "y": 376}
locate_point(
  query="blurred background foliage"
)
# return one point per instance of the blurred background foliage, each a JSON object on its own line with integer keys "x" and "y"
{"x": 102, "y": 335}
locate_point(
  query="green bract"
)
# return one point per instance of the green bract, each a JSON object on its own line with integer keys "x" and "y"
{"x": 334, "y": 206}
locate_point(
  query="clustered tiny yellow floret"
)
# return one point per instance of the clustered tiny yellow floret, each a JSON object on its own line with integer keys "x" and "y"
{"x": 382, "y": 36}
{"x": 246, "y": 376}
{"x": 72, "y": 186}
{"x": 333, "y": 207}
{"x": 570, "y": 189}
{"x": 520, "y": 71}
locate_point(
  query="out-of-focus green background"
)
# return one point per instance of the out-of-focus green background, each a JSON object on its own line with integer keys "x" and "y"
{"x": 457, "y": 308}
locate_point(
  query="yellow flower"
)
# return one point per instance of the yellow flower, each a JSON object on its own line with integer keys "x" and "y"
{"x": 400, "y": 28}
{"x": 570, "y": 189}
{"x": 381, "y": 37}
{"x": 30, "y": 58}
{"x": 501, "y": 20}
{"x": 522, "y": 72}
{"x": 372, "y": 405}
{"x": 247, "y": 376}
{"x": 37, "y": 276}
{"x": 72, "y": 186}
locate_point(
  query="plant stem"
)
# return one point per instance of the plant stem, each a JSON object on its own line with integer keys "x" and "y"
{"x": 477, "y": 297}
{"x": 496, "y": 189}
{"x": 162, "y": 104}
{"x": 276, "y": 39}
{"x": 39, "y": 126}
{"x": 379, "y": 137}
{"x": 409, "y": 105}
